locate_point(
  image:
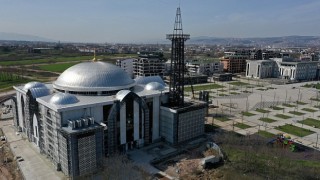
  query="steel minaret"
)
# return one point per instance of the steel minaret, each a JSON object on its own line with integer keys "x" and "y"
{"x": 177, "y": 62}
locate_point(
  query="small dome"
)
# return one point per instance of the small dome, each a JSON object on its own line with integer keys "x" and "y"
{"x": 39, "y": 92}
{"x": 148, "y": 79}
{"x": 33, "y": 84}
{"x": 154, "y": 86}
{"x": 93, "y": 76}
{"x": 63, "y": 99}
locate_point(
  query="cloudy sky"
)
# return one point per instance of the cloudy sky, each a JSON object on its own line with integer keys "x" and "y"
{"x": 149, "y": 20}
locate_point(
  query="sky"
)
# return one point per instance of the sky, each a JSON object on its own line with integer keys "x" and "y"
{"x": 139, "y": 21}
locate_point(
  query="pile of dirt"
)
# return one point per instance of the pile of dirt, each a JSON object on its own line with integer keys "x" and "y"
{"x": 8, "y": 166}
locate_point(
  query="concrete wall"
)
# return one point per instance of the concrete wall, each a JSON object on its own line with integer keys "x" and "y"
{"x": 191, "y": 124}
{"x": 167, "y": 119}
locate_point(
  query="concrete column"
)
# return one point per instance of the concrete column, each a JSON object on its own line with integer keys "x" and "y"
{"x": 142, "y": 119}
{"x": 136, "y": 114}
{"x": 155, "y": 123}
{"x": 123, "y": 124}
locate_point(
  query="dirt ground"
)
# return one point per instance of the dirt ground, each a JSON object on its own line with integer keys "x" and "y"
{"x": 8, "y": 166}
{"x": 186, "y": 165}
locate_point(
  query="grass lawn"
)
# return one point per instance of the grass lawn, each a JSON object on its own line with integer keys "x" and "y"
{"x": 311, "y": 122}
{"x": 223, "y": 118}
{"x": 296, "y": 113}
{"x": 261, "y": 89}
{"x": 262, "y": 110}
{"x": 282, "y": 116}
{"x": 222, "y": 94}
{"x": 288, "y": 105}
{"x": 268, "y": 120}
{"x": 317, "y": 106}
{"x": 238, "y": 83}
{"x": 276, "y": 108}
{"x": 317, "y": 86}
{"x": 294, "y": 130}
{"x": 234, "y": 93}
{"x": 242, "y": 125}
{"x": 203, "y": 87}
{"x": 57, "y": 67}
{"x": 301, "y": 103}
{"x": 246, "y": 91}
{"x": 315, "y": 99}
{"x": 309, "y": 110}
{"x": 265, "y": 134}
{"x": 247, "y": 113}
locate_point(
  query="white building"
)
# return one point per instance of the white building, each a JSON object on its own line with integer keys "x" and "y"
{"x": 207, "y": 67}
{"x": 126, "y": 65}
{"x": 95, "y": 109}
{"x": 280, "y": 68}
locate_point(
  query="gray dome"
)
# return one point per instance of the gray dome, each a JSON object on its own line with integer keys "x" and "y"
{"x": 39, "y": 92}
{"x": 63, "y": 99}
{"x": 33, "y": 84}
{"x": 93, "y": 76}
{"x": 143, "y": 80}
{"x": 154, "y": 86}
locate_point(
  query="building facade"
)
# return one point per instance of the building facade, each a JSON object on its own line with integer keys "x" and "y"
{"x": 280, "y": 68}
{"x": 126, "y": 65}
{"x": 149, "y": 65}
{"x": 207, "y": 67}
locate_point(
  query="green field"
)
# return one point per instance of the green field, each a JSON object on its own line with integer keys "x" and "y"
{"x": 203, "y": 87}
{"x": 294, "y": 130}
{"x": 43, "y": 61}
{"x": 268, "y": 120}
{"x": 311, "y": 122}
{"x": 57, "y": 67}
{"x": 55, "y": 59}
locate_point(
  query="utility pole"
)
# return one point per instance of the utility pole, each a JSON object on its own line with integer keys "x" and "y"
{"x": 285, "y": 101}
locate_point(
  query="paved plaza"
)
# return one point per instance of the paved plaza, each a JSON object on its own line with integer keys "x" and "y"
{"x": 35, "y": 166}
{"x": 265, "y": 97}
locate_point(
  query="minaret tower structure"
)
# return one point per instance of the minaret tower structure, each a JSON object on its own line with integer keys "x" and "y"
{"x": 177, "y": 62}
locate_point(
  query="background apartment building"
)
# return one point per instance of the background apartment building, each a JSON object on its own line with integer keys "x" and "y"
{"x": 152, "y": 64}
{"x": 126, "y": 65}
{"x": 207, "y": 67}
{"x": 235, "y": 62}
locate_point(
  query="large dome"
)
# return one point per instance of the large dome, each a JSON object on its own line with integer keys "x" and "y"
{"x": 93, "y": 76}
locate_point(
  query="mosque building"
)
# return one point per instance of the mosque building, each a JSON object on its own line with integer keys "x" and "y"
{"x": 95, "y": 109}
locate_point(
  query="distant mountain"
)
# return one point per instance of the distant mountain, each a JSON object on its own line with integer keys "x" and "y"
{"x": 285, "y": 41}
{"x": 22, "y": 37}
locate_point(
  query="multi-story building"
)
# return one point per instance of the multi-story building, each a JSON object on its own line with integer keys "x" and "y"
{"x": 235, "y": 62}
{"x": 207, "y": 67}
{"x": 282, "y": 68}
{"x": 126, "y": 65}
{"x": 149, "y": 65}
